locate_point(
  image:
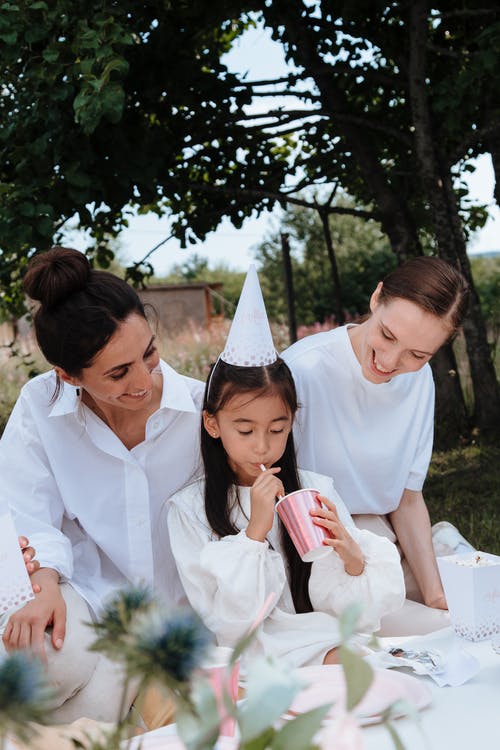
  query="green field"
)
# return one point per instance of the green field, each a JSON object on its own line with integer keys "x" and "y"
{"x": 463, "y": 486}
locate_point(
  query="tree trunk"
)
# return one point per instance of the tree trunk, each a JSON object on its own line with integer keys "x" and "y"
{"x": 494, "y": 146}
{"x": 290, "y": 297}
{"x": 449, "y": 422}
{"x": 437, "y": 183}
{"x": 338, "y": 309}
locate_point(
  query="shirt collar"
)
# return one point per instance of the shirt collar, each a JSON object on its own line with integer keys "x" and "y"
{"x": 68, "y": 400}
{"x": 175, "y": 394}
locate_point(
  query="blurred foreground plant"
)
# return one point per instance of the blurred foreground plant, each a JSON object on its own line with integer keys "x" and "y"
{"x": 170, "y": 648}
{"x": 24, "y": 695}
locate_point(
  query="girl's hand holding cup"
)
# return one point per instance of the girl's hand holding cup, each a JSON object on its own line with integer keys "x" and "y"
{"x": 342, "y": 542}
{"x": 266, "y": 488}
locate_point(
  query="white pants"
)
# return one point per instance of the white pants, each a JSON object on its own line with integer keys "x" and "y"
{"x": 414, "y": 618}
{"x": 86, "y": 683}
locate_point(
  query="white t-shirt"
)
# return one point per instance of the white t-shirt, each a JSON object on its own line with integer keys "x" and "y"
{"x": 375, "y": 440}
{"x": 94, "y": 510}
{"x": 228, "y": 579}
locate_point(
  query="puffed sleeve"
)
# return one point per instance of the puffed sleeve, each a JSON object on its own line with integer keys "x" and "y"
{"x": 379, "y": 589}
{"x": 226, "y": 580}
{"x": 28, "y": 487}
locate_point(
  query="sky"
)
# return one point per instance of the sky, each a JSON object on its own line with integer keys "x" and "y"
{"x": 257, "y": 54}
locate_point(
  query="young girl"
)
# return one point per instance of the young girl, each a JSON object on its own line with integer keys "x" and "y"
{"x": 229, "y": 544}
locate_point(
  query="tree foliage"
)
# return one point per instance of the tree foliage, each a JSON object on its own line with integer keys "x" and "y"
{"x": 111, "y": 105}
{"x": 363, "y": 253}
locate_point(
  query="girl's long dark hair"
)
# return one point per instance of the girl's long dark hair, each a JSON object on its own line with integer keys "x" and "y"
{"x": 224, "y": 383}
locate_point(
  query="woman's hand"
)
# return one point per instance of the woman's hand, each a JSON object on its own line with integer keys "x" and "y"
{"x": 31, "y": 564}
{"x": 26, "y": 627}
{"x": 263, "y": 494}
{"x": 342, "y": 542}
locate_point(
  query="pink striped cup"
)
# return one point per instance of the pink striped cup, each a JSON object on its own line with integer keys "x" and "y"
{"x": 293, "y": 509}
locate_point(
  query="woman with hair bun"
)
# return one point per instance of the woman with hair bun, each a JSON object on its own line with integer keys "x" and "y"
{"x": 91, "y": 452}
{"x": 367, "y": 415}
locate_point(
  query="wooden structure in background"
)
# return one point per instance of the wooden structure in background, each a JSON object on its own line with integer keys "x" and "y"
{"x": 179, "y": 306}
{"x": 175, "y": 306}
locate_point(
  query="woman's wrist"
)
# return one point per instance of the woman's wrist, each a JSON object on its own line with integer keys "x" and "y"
{"x": 45, "y": 577}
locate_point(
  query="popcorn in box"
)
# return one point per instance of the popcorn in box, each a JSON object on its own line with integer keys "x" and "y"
{"x": 471, "y": 583}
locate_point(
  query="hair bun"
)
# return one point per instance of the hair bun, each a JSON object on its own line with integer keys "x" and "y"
{"x": 55, "y": 275}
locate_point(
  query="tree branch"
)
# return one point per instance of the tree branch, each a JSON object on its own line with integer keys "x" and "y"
{"x": 285, "y": 198}
{"x": 473, "y": 139}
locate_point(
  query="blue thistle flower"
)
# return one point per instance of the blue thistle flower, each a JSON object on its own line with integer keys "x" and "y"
{"x": 114, "y": 625}
{"x": 24, "y": 692}
{"x": 170, "y": 645}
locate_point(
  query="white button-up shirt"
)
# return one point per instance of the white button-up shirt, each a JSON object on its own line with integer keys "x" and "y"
{"x": 94, "y": 510}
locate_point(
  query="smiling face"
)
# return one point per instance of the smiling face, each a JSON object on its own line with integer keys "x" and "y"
{"x": 121, "y": 373}
{"x": 253, "y": 431}
{"x": 399, "y": 337}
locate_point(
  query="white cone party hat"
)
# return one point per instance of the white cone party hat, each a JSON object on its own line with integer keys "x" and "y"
{"x": 250, "y": 342}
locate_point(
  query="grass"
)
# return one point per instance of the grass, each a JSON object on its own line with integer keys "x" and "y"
{"x": 463, "y": 487}
{"x": 463, "y": 484}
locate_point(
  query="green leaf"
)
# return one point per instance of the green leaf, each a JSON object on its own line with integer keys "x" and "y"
{"x": 358, "y": 676}
{"x": 349, "y": 619}
{"x": 113, "y": 102}
{"x": 50, "y": 55}
{"x": 9, "y": 37}
{"x": 298, "y": 733}
{"x": 271, "y": 688}
{"x": 263, "y": 741}
{"x": 45, "y": 226}
{"x": 395, "y": 737}
{"x": 198, "y": 725}
{"x": 27, "y": 209}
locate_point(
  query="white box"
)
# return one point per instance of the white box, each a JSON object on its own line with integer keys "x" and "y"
{"x": 471, "y": 583}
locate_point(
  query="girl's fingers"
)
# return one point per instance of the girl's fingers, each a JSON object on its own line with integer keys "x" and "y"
{"x": 328, "y": 503}
{"x": 271, "y": 470}
{"x": 269, "y": 482}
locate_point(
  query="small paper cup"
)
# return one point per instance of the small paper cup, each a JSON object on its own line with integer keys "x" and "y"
{"x": 224, "y": 682}
{"x": 293, "y": 509}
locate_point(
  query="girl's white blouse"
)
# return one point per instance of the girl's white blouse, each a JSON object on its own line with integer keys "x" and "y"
{"x": 228, "y": 579}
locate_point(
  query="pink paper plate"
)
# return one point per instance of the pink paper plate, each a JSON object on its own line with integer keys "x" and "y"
{"x": 165, "y": 740}
{"x": 327, "y": 685}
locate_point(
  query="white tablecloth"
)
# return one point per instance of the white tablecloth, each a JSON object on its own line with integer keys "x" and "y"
{"x": 459, "y": 718}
